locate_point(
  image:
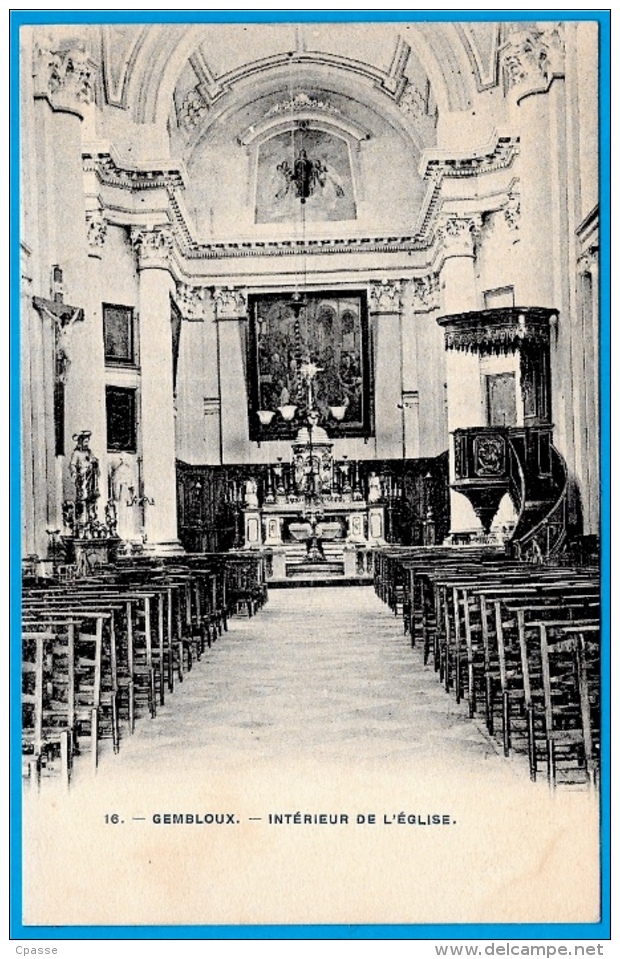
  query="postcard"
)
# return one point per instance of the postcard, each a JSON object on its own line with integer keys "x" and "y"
{"x": 310, "y": 313}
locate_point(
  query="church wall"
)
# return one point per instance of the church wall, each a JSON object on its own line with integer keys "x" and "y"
{"x": 539, "y": 234}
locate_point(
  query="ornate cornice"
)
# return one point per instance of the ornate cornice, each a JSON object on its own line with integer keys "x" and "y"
{"x": 96, "y": 229}
{"x": 66, "y": 78}
{"x": 502, "y": 330}
{"x": 153, "y": 247}
{"x": 386, "y": 296}
{"x": 111, "y": 172}
{"x": 532, "y": 57}
{"x": 498, "y": 154}
{"x": 230, "y": 303}
{"x": 425, "y": 293}
{"x": 458, "y": 234}
{"x": 189, "y": 300}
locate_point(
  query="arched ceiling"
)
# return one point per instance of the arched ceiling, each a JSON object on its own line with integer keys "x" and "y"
{"x": 143, "y": 64}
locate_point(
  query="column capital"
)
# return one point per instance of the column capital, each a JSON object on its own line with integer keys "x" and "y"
{"x": 230, "y": 302}
{"x": 458, "y": 233}
{"x": 153, "y": 247}
{"x": 189, "y": 300}
{"x": 588, "y": 260}
{"x": 96, "y": 230}
{"x": 66, "y": 77}
{"x": 425, "y": 293}
{"x": 531, "y": 57}
{"x": 386, "y": 296}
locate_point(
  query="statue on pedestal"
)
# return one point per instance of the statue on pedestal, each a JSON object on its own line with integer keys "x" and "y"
{"x": 84, "y": 469}
{"x": 251, "y": 493}
{"x": 375, "y": 491}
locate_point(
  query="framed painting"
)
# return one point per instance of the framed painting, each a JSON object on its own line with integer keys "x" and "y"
{"x": 328, "y": 329}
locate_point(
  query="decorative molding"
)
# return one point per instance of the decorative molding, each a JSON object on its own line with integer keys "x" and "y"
{"x": 413, "y": 103}
{"x": 485, "y": 66}
{"x": 458, "y": 234}
{"x": 299, "y": 102}
{"x": 193, "y": 110}
{"x": 189, "y": 300}
{"x": 66, "y": 78}
{"x": 96, "y": 229}
{"x": 496, "y": 331}
{"x": 425, "y": 293}
{"x": 386, "y": 296}
{"x": 153, "y": 247}
{"x": 395, "y": 80}
{"x": 532, "y": 57}
{"x": 230, "y": 303}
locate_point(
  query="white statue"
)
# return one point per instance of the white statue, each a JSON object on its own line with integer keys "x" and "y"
{"x": 122, "y": 487}
{"x": 251, "y": 492}
{"x": 375, "y": 492}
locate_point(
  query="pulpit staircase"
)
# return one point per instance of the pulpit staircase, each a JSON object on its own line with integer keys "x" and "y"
{"x": 541, "y": 533}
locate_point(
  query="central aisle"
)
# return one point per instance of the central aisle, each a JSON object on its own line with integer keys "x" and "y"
{"x": 320, "y": 674}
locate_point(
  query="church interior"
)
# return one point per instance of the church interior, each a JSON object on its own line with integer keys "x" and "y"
{"x": 310, "y": 321}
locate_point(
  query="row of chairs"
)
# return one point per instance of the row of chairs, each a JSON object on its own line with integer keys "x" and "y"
{"x": 101, "y": 652}
{"x": 519, "y": 644}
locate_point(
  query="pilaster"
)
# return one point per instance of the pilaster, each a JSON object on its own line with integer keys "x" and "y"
{"x": 385, "y": 306}
{"x": 153, "y": 247}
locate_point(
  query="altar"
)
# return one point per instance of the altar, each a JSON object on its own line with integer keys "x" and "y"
{"x": 339, "y": 522}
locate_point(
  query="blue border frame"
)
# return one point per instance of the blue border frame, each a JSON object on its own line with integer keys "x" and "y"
{"x": 541, "y": 931}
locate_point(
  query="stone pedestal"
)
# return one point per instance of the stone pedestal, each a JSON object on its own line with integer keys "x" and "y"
{"x": 252, "y": 528}
{"x": 273, "y": 531}
{"x": 376, "y": 526}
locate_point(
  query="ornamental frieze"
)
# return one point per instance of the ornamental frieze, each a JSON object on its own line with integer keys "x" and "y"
{"x": 497, "y": 331}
